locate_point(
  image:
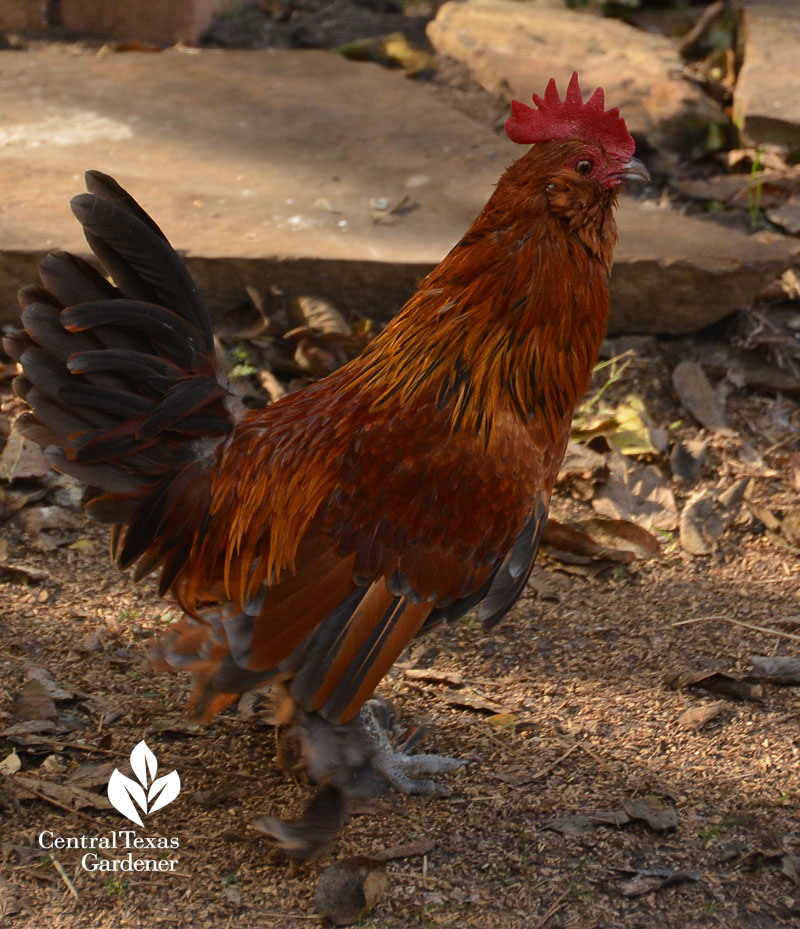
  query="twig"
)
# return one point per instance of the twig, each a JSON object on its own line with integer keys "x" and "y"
{"x": 697, "y": 619}
{"x": 783, "y": 635}
{"x": 19, "y": 783}
{"x": 596, "y": 758}
{"x": 559, "y": 904}
{"x": 692, "y": 40}
{"x": 64, "y": 876}
{"x": 554, "y": 764}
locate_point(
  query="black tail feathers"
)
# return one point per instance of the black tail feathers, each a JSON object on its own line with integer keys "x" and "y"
{"x": 121, "y": 379}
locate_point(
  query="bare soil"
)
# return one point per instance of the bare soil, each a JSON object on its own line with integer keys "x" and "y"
{"x": 563, "y": 711}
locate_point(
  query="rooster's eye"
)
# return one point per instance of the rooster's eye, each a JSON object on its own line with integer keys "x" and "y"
{"x": 584, "y": 166}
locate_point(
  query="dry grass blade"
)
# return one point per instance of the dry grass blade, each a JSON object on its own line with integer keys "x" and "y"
{"x": 739, "y": 622}
{"x": 64, "y": 876}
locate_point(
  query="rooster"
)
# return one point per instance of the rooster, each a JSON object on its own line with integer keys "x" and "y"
{"x": 308, "y": 543}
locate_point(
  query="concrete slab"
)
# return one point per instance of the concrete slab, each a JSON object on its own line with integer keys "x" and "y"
{"x": 242, "y": 154}
{"x": 766, "y": 102}
{"x": 268, "y": 169}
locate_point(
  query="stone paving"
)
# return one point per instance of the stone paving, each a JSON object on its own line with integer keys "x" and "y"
{"x": 301, "y": 171}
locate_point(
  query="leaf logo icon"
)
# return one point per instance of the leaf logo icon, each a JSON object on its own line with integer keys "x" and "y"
{"x": 151, "y": 793}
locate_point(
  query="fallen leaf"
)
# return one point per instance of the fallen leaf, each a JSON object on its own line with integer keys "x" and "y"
{"x": 699, "y": 397}
{"x": 45, "y": 678}
{"x": 10, "y": 764}
{"x": 74, "y": 798}
{"x": 583, "y": 823}
{"x": 687, "y": 459}
{"x": 35, "y": 519}
{"x": 502, "y": 720}
{"x": 783, "y": 527}
{"x": 317, "y": 314}
{"x": 83, "y": 545}
{"x": 790, "y": 866}
{"x": 695, "y": 717}
{"x": 622, "y": 535}
{"x": 627, "y": 427}
{"x": 35, "y": 575}
{"x": 33, "y": 702}
{"x": 707, "y": 514}
{"x": 22, "y": 458}
{"x": 567, "y": 539}
{"x": 659, "y": 816}
{"x": 409, "y": 850}
{"x": 92, "y": 774}
{"x": 582, "y": 466}
{"x": 737, "y": 686}
{"x": 647, "y": 879}
{"x": 454, "y": 678}
{"x": 637, "y": 494}
{"x": 473, "y": 700}
{"x": 393, "y": 49}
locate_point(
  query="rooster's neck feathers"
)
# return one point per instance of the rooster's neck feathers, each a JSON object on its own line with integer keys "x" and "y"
{"x": 484, "y": 335}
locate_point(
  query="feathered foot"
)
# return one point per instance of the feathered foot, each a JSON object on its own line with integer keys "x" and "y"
{"x": 398, "y": 766}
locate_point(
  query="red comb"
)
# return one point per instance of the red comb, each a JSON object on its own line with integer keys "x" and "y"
{"x": 570, "y": 119}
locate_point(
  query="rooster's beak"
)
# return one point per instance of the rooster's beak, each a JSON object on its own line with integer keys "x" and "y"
{"x": 634, "y": 170}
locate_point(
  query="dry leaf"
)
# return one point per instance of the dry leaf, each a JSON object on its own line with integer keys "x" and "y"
{"x": 33, "y": 702}
{"x": 565, "y": 538}
{"x": 687, "y": 459}
{"x": 472, "y": 700}
{"x": 92, "y": 774}
{"x": 737, "y": 686}
{"x": 659, "y": 816}
{"x": 647, "y": 879}
{"x": 622, "y": 535}
{"x": 638, "y": 494}
{"x": 35, "y": 575}
{"x": 74, "y": 798}
{"x": 409, "y": 850}
{"x": 699, "y": 397}
{"x": 22, "y": 458}
{"x": 10, "y": 764}
{"x": 696, "y": 717}
{"x": 454, "y": 678}
{"x": 318, "y": 315}
{"x": 783, "y": 528}
{"x": 45, "y": 678}
{"x": 628, "y": 428}
{"x": 393, "y": 49}
{"x": 582, "y": 823}
{"x": 707, "y": 514}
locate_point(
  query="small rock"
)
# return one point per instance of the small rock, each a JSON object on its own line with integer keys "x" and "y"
{"x": 514, "y": 48}
{"x": 349, "y": 888}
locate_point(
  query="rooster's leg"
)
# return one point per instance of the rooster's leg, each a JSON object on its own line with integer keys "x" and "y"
{"x": 396, "y": 765}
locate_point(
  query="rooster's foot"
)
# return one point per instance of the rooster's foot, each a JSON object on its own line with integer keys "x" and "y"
{"x": 396, "y": 765}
